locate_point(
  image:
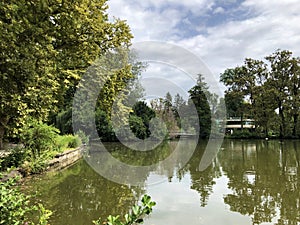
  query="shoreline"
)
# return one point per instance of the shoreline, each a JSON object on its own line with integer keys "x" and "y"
{"x": 59, "y": 162}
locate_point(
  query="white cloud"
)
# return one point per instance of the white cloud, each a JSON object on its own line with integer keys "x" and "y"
{"x": 229, "y": 44}
{"x": 219, "y": 10}
{"x": 261, "y": 27}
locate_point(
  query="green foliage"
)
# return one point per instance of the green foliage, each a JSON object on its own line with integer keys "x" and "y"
{"x": 63, "y": 121}
{"x": 269, "y": 95}
{"x": 134, "y": 217}
{"x": 34, "y": 165}
{"x": 15, "y": 208}
{"x": 238, "y": 134}
{"x": 67, "y": 141}
{"x": 83, "y": 137}
{"x": 14, "y": 159}
{"x": 198, "y": 95}
{"x": 41, "y": 143}
{"x": 44, "y": 215}
{"x": 140, "y": 118}
{"x": 138, "y": 127}
{"x": 104, "y": 126}
{"x": 48, "y": 45}
{"x": 39, "y": 138}
{"x": 115, "y": 78}
{"x": 234, "y": 104}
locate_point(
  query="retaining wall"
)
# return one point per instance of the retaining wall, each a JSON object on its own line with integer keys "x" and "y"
{"x": 59, "y": 162}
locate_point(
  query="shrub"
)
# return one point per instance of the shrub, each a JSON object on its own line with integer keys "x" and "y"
{"x": 138, "y": 127}
{"x": 85, "y": 139}
{"x": 15, "y": 207}
{"x": 74, "y": 142}
{"x": 39, "y": 138}
{"x": 104, "y": 126}
{"x": 244, "y": 134}
{"x": 67, "y": 141}
{"x": 34, "y": 166}
{"x": 14, "y": 159}
{"x": 63, "y": 121}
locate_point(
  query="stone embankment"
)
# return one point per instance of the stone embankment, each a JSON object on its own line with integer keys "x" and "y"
{"x": 60, "y": 161}
{"x": 64, "y": 159}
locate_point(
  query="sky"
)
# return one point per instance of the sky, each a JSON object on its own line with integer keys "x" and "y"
{"x": 221, "y": 32}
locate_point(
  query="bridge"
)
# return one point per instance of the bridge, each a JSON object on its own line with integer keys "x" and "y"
{"x": 175, "y": 135}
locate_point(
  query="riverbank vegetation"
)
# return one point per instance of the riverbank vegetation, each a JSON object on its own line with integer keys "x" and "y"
{"x": 15, "y": 207}
{"x": 40, "y": 143}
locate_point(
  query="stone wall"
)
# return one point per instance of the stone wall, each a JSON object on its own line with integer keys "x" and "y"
{"x": 59, "y": 162}
{"x": 64, "y": 159}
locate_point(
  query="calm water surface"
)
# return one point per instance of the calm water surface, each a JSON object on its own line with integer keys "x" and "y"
{"x": 249, "y": 182}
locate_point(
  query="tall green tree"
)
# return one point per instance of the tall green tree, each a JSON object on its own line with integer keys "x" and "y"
{"x": 199, "y": 99}
{"x": 241, "y": 83}
{"x": 45, "y": 48}
{"x": 294, "y": 93}
{"x": 282, "y": 82}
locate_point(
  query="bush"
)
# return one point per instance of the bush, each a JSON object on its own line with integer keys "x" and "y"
{"x": 244, "y": 134}
{"x": 15, "y": 208}
{"x": 41, "y": 143}
{"x": 34, "y": 166}
{"x": 63, "y": 121}
{"x": 14, "y": 159}
{"x": 85, "y": 139}
{"x": 39, "y": 138}
{"x": 74, "y": 142}
{"x": 67, "y": 141}
{"x": 137, "y": 126}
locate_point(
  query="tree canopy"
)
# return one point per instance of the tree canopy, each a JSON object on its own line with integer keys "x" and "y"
{"x": 45, "y": 47}
{"x": 267, "y": 91}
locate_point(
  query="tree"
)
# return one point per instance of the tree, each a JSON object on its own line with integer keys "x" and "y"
{"x": 164, "y": 110}
{"x": 179, "y": 106}
{"x": 234, "y": 104}
{"x": 266, "y": 91}
{"x": 199, "y": 99}
{"x": 241, "y": 83}
{"x": 45, "y": 48}
{"x": 28, "y": 85}
{"x": 294, "y": 93}
{"x": 140, "y": 119}
{"x": 282, "y": 69}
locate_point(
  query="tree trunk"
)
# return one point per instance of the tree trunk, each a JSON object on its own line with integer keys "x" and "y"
{"x": 266, "y": 131}
{"x": 282, "y": 123}
{"x": 295, "y": 116}
{"x": 3, "y": 123}
{"x": 242, "y": 122}
{"x": 1, "y": 136}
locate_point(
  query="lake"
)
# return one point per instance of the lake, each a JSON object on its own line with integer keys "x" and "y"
{"x": 248, "y": 182}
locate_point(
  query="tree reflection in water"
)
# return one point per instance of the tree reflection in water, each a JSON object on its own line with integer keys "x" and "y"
{"x": 275, "y": 186}
{"x": 263, "y": 184}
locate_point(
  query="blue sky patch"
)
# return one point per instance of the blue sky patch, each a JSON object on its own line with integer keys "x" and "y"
{"x": 194, "y": 24}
